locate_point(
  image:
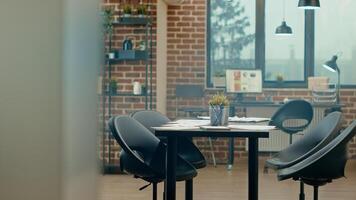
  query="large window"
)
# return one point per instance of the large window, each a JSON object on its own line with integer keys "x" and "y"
{"x": 231, "y": 28}
{"x": 335, "y": 32}
{"x": 233, "y": 41}
{"x": 284, "y": 53}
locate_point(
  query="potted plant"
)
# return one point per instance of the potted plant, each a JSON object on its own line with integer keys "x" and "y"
{"x": 127, "y": 10}
{"x": 219, "y": 110}
{"x": 279, "y": 79}
{"x": 113, "y": 87}
{"x": 142, "y": 10}
{"x": 219, "y": 79}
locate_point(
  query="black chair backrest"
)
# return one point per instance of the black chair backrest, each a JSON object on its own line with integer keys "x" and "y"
{"x": 316, "y": 138}
{"x": 293, "y": 110}
{"x": 189, "y": 91}
{"x": 327, "y": 163}
{"x": 134, "y": 138}
{"x": 150, "y": 118}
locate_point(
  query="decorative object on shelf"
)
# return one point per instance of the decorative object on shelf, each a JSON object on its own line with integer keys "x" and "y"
{"x": 279, "y": 79}
{"x": 142, "y": 10}
{"x": 332, "y": 66}
{"x": 127, "y": 10}
{"x": 137, "y": 89}
{"x": 127, "y": 44}
{"x": 141, "y": 46}
{"x": 111, "y": 55}
{"x": 219, "y": 110}
{"x": 174, "y": 2}
{"x": 284, "y": 29}
{"x": 309, "y": 4}
{"x": 143, "y": 89}
{"x": 113, "y": 87}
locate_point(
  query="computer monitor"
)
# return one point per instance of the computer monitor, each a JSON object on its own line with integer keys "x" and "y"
{"x": 243, "y": 81}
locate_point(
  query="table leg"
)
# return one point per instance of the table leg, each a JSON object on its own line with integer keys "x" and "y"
{"x": 253, "y": 168}
{"x": 171, "y": 163}
{"x": 231, "y": 153}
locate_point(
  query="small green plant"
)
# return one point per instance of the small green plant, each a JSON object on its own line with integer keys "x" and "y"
{"x": 108, "y": 20}
{"x": 219, "y": 100}
{"x": 279, "y": 78}
{"x": 142, "y": 9}
{"x": 127, "y": 9}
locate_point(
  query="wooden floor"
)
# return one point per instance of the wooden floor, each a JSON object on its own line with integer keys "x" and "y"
{"x": 218, "y": 183}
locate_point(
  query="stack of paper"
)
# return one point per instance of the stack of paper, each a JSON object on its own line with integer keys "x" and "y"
{"x": 252, "y": 127}
{"x": 248, "y": 119}
{"x": 240, "y": 119}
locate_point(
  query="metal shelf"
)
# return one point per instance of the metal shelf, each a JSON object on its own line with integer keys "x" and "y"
{"x": 134, "y": 20}
{"x": 121, "y": 55}
{"x": 125, "y": 94}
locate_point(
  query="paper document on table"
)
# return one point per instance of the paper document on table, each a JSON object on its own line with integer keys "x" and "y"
{"x": 203, "y": 117}
{"x": 240, "y": 119}
{"x": 252, "y": 127}
{"x": 173, "y": 128}
{"x": 215, "y": 127}
{"x": 188, "y": 123}
{"x": 248, "y": 119}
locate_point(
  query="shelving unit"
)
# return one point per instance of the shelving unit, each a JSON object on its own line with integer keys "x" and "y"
{"x": 125, "y": 55}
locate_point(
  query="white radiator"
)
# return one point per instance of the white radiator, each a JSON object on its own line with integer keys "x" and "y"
{"x": 277, "y": 139}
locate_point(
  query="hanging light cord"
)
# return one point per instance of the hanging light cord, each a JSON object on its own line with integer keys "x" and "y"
{"x": 284, "y": 10}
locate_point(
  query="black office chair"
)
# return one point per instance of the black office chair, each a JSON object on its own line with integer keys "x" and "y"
{"x": 300, "y": 110}
{"x": 144, "y": 155}
{"x": 325, "y": 131}
{"x": 190, "y": 92}
{"x": 324, "y": 165}
{"x": 186, "y": 148}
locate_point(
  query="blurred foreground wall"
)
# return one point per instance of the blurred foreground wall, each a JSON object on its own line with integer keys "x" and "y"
{"x": 49, "y": 54}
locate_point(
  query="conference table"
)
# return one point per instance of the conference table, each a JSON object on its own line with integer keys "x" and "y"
{"x": 171, "y": 155}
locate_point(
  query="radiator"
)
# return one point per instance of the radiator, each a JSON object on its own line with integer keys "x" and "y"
{"x": 279, "y": 140}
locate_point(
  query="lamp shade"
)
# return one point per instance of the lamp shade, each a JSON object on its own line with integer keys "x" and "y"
{"x": 331, "y": 65}
{"x": 284, "y": 29}
{"x": 309, "y": 4}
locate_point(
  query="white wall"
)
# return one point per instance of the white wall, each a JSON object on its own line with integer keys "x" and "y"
{"x": 42, "y": 156}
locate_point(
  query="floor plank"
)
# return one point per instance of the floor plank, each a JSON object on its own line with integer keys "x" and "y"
{"x": 218, "y": 183}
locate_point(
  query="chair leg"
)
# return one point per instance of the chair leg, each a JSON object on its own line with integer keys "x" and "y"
{"x": 265, "y": 169}
{"x": 189, "y": 189}
{"x": 316, "y": 191}
{"x": 301, "y": 194}
{"x": 154, "y": 191}
{"x": 212, "y": 151}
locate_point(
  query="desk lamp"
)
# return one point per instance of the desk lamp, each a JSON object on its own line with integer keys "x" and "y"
{"x": 331, "y": 65}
